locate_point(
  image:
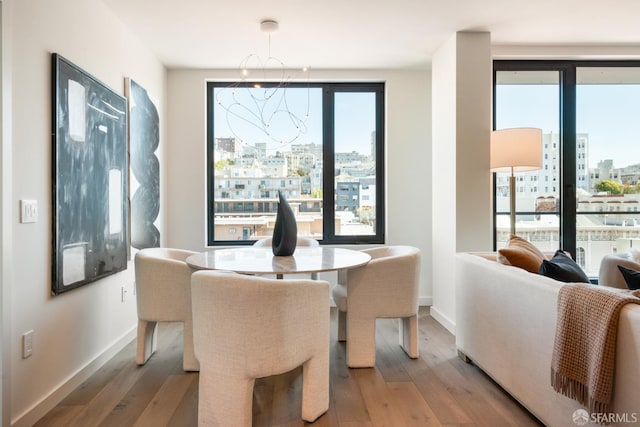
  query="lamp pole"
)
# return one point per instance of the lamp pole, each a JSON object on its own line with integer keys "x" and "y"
{"x": 512, "y": 201}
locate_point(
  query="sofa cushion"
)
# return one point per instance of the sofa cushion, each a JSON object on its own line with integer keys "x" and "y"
{"x": 562, "y": 268}
{"x": 632, "y": 277}
{"x": 521, "y": 253}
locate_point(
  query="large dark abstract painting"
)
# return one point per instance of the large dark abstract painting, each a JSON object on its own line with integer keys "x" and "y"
{"x": 144, "y": 138}
{"x": 89, "y": 178}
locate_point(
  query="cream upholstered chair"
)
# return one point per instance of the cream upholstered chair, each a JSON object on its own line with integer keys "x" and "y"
{"x": 248, "y": 327}
{"x": 302, "y": 241}
{"x": 387, "y": 287}
{"x": 163, "y": 294}
{"x": 609, "y": 273}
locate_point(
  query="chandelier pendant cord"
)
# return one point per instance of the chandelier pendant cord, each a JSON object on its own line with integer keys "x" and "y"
{"x": 263, "y": 106}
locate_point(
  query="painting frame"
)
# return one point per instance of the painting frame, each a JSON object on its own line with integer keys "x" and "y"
{"x": 90, "y": 178}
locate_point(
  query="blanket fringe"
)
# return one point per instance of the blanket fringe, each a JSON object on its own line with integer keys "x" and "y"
{"x": 577, "y": 391}
{"x": 571, "y": 388}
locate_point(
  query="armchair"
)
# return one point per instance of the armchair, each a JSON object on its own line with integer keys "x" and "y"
{"x": 249, "y": 327}
{"x": 387, "y": 287}
{"x": 163, "y": 294}
{"x": 609, "y": 274}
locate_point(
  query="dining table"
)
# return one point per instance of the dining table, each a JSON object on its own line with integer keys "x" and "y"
{"x": 261, "y": 260}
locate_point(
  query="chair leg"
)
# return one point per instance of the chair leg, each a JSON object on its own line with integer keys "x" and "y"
{"x": 189, "y": 360}
{"x": 315, "y": 386}
{"x": 223, "y": 400}
{"x": 408, "y": 332}
{"x": 361, "y": 341}
{"x": 342, "y": 325}
{"x": 147, "y": 340}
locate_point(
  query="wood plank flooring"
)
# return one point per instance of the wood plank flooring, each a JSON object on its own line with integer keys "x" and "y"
{"x": 438, "y": 389}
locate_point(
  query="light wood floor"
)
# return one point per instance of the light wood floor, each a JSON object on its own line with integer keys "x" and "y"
{"x": 438, "y": 389}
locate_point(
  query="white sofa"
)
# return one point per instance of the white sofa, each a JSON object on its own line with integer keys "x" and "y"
{"x": 505, "y": 324}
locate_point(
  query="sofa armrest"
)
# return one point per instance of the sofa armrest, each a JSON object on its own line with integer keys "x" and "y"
{"x": 609, "y": 273}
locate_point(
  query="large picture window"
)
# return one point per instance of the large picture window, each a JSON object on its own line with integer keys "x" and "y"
{"x": 325, "y": 154}
{"x": 586, "y": 197}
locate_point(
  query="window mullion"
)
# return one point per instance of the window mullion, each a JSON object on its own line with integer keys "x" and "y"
{"x": 328, "y": 153}
{"x": 380, "y": 162}
{"x": 568, "y": 161}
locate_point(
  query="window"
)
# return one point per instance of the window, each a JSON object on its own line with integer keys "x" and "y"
{"x": 580, "y": 257}
{"x": 587, "y": 111}
{"x": 332, "y": 174}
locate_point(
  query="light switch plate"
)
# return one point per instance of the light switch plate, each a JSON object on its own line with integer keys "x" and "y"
{"x": 28, "y": 211}
{"x": 27, "y": 344}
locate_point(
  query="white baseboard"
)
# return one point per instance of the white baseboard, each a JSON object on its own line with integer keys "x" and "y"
{"x": 40, "y": 409}
{"x": 449, "y": 324}
{"x": 425, "y": 301}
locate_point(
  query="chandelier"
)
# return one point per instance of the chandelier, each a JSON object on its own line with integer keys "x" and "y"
{"x": 259, "y": 104}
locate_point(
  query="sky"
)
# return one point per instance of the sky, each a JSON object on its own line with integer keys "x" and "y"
{"x": 355, "y": 117}
{"x": 609, "y": 114}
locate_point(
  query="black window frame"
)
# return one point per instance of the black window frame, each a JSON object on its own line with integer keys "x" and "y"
{"x": 567, "y": 69}
{"x": 329, "y": 89}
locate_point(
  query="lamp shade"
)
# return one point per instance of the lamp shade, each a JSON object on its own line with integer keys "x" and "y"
{"x": 517, "y": 149}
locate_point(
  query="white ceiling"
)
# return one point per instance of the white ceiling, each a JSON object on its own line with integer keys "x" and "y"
{"x": 365, "y": 34}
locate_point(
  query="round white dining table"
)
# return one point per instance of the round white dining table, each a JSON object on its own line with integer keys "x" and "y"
{"x": 260, "y": 260}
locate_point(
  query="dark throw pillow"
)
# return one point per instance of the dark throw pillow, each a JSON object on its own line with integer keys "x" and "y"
{"x": 632, "y": 277}
{"x": 561, "y": 267}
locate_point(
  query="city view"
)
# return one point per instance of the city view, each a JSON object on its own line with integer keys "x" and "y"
{"x": 251, "y": 167}
{"x": 608, "y": 203}
{"x": 252, "y": 163}
{"x": 607, "y": 163}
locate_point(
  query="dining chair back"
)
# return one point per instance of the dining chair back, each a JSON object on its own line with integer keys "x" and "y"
{"x": 302, "y": 241}
{"x": 248, "y": 327}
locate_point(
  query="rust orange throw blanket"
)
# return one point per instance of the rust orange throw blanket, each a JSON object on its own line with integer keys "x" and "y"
{"x": 584, "y": 352}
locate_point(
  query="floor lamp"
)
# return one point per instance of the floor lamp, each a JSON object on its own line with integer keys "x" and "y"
{"x": 515, "y": 150}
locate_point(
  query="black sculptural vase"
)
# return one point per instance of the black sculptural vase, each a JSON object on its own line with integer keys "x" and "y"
{"x": 285, "y": 232}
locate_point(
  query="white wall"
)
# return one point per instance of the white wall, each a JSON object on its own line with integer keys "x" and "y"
{"x": 74, "y": 331}
{"x": 444, "y": 180}
{"x": 5, "y": 217}
{"x": 462, "y": 215}
{"x": 473, "y": 133}
{"x": 408, "y": 155}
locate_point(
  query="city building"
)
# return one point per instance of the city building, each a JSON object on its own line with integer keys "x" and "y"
{"x": 545, "y": 181}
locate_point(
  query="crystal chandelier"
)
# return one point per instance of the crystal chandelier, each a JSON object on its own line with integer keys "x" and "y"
{"x": 261, "y": 103}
